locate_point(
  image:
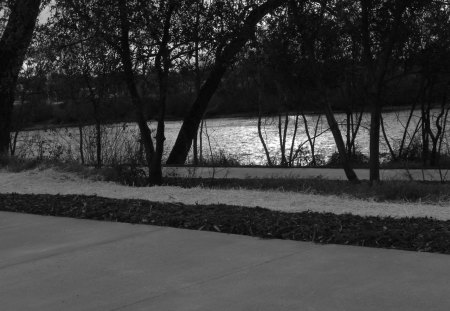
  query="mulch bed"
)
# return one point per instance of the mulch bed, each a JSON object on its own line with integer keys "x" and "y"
{"x": 416, "y": 234}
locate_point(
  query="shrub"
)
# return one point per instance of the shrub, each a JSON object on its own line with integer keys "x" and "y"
{"x": 221, "y": 158}
{"x": 357, "y": 158}
{"x": 125, "y": 174}
{"x": 18, "y": 164}
{"x": 413, "y": 152}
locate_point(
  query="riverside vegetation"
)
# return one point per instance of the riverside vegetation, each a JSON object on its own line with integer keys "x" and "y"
{"x": 415, "y": 234}
{"x": 93, "y": 62}
{"x": 131, "y": 175}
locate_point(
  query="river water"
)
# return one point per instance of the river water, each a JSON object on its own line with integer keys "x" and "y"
{"x": 235, "y": 138}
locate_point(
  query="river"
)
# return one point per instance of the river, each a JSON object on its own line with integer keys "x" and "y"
{"x": 235, "y": 138}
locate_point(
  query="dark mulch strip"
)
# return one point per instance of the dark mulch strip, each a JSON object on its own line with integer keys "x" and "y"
{"x": 416, "y": 234}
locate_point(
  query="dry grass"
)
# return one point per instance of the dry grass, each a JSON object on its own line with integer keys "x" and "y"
{"x": 386, "y": 191}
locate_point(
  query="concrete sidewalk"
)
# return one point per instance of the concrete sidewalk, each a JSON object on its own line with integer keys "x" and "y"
{"x": 49, "y": 263}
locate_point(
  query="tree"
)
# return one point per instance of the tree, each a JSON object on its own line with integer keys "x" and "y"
{"x": 321, "y": 54}
{"x": 85, "y": 66}
{"x": 377, "y": 62}
{"x": 430, "y": 54}
{"x": 147, "y": 36}
{"x": 162, "y": 64}
{"x": 226, "y": 52}
{"x": 13, "y": 47}
{"x": 158, "y": 20}
{"x": 198, "y": 11}
{"x": 127, "y": 63}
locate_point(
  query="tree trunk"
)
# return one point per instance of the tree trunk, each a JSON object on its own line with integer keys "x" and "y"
{"x": 349, "y": 132}
{"x": 197, "y": 92}
{"x": 374, "y": 161}
{"x": 197, "y": 72}
{"x": 14, "y": 143}
{"x": 386, "y": 139}
{"x": 425, "y": 133}
{"x": 376, "y": 70}
{"x": 163, "y": 65}
{"x": 99, "y": 143}
{"x": 201, "y": 142}
{"x": 294, "y": 136}
{"x": 355, "y": 130}
{"x": 192, "y": 120}
{"x": 225, "y": 55}
{"x": 436, "y": 138}
{"x": 405, "y": 133}
{"x": 13, "y": 47}
{"x": 125, "y": 55}
{"x": 155, "y": 175}
{"x": 444, "y": 126}
{"x": 334, "y": 127}
{"x": 310, "y": 139}
{"x": 95, "y": 100}
{"x": 261, "y": 137}
{"x": 80, "y": 146}
{"x": 282, "y": 132}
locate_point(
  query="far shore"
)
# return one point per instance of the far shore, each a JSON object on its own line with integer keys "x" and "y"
{"x": 51, "y": 126}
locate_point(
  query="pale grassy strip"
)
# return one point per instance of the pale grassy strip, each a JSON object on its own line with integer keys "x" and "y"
{"x": 53, "y": 182}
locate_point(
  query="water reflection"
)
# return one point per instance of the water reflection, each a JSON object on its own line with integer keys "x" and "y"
{"x": 236, "y": 137}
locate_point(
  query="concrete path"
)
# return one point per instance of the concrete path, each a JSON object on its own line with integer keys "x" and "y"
{"x": 49, "y": 263}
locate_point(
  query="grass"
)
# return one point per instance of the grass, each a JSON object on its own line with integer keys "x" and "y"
{"x": 17, "y": 164}
{"x": 120, "y": 173}
{"x": 386, "y": 191}
{"x": 414, "y": 234}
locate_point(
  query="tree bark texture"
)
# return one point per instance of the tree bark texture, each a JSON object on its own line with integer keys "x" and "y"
{"x": 95, "y": 100}
{"x": 125, "y": 56}
{"x": 334, "y": 127}
{"x": 374, "y": 145}
{"x": 13, "y": 47}
{"x": 376, "y": 70}
{"x": 163, "y": 65}
{"x": 198, "y": 82}
{"x": 224, "y": 58}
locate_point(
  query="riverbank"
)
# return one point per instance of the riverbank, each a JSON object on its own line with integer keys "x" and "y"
{"x": 224, "y": 142}
{"x": 431, "y": 185}
{"x": 53, "y": 126}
